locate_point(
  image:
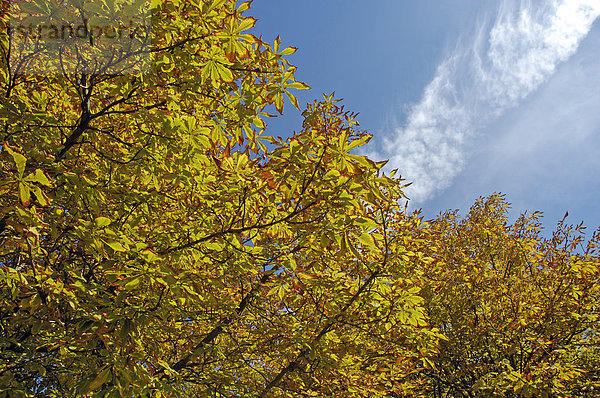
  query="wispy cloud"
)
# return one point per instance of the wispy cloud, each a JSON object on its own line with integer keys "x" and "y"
{"x": 505, "y": 60}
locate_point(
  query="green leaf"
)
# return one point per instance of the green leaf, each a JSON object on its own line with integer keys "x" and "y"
{"x": 40, "y": 196}
{"x": 366, "y": 223}
{"x": 367, "y": 240}
{"x": 331, "y": 174}
{"x": 100, "y": 379}
{"x": 133, "y": 284}
{"x": 116, "y": 246}
{"x": 19, "y": 159}
{"x": 150, "y": 256}
{"x": 225, "y": 73}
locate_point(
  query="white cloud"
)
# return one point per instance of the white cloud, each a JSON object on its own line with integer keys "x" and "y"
{"x": 494, "y": 70}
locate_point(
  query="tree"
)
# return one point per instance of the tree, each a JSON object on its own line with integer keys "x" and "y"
{"x": 156, "y": 242}
{"x": 519, "y": 311}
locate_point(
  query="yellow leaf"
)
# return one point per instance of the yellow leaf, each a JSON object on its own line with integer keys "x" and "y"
{"x": 102, "y": 222}
{"x": 41, "y": 178}
{"x": 247, "y": 23}
{"x": 225, "y": 73}
{"x": 24, "y": 194}
{"x": 288, "y": 51}
{"x": 367, "y": 240}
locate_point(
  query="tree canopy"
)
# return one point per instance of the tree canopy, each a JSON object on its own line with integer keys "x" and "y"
{"x": 155, "y": 240}
{"x": 519, "y": 311}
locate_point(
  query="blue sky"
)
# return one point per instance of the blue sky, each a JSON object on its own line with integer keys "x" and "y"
{"x": 465, "y": 98}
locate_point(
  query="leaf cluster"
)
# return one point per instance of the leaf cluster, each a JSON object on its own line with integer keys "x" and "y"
{"x": 519, "y": 311}
{"x": 156, "y": 242}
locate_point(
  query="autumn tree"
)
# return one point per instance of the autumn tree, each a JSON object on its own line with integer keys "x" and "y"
{"x": 519, "y": 311}
{"x": 155, "y": 241}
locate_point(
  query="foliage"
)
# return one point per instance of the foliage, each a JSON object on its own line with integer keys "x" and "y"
{"x": 156, "y": 242}
{"x": 520, "y": 312}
